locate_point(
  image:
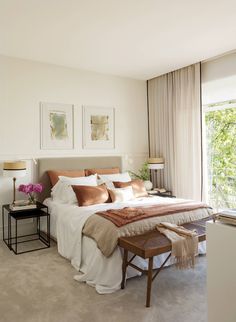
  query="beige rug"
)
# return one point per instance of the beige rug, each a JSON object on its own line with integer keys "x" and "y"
{"x": 39, "y": 287}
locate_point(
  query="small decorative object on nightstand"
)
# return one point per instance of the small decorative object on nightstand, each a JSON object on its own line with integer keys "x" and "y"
{"x": 12, "y": 240}
{"x": 159, "y": 193}
{"x": 30, "y": 190}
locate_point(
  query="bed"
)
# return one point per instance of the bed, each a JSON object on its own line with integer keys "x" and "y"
{"x": 68, "y": 221}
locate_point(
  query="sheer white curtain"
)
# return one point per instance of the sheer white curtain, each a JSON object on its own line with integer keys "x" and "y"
{"x": 175, "y": 129}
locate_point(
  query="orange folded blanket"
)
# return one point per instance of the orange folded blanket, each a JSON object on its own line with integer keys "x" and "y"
{"x": 124, "y": 216}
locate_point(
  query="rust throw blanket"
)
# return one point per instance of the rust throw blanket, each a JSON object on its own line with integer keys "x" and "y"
{"x": 121, "y": 217}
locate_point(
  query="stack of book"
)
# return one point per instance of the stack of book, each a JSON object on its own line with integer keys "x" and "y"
{"x": 227, "y": 216}
{"x": 22, "y": 205}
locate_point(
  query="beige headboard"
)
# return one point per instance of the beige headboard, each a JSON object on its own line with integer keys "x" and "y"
{"x": 73, "y": 163}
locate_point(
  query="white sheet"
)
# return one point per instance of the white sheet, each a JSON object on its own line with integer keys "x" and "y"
{"x": 103, "y": 273}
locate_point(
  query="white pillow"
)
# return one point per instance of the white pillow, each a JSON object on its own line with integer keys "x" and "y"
{"x": 122, "y": 194}
{"x": 109, "y": 178}
{"x": 82, "y": 181}
{"x": 63, "y": 192}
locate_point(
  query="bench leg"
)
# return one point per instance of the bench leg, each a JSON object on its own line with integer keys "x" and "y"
{"x": 124, "y": 266}
{"x": 149, "y": 281}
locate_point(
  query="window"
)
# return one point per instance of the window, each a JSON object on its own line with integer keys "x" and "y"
{"x": 220, "y": 135}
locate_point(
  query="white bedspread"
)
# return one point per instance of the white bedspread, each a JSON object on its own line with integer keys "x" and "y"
{"x": 103, "y": 273}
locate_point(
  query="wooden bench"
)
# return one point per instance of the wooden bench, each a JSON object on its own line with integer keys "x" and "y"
{"x": 149, "y": 245}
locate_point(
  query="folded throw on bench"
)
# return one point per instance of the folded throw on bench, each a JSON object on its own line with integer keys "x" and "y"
{"x": 184, "y": 244}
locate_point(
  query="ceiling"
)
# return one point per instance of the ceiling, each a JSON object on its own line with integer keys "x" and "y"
{"x": 134, "y": 38}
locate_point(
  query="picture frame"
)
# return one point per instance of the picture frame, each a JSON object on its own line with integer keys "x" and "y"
{"x": 57, "y": 126}
{"x": 98, "y": 127}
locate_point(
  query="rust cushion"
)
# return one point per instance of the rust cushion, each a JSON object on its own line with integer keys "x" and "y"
{"x": 54, "y": 174}
{"x": 88, "y": 172}
{"x": 137, "y": 185}
{"x": 90, "y": 195}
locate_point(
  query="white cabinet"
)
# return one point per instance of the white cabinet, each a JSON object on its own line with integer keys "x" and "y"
{"x": 221, "y": 272}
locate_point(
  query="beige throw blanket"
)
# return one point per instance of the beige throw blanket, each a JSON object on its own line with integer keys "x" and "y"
{"x": 184, "y": 244}
{"x": 106, "y": 234}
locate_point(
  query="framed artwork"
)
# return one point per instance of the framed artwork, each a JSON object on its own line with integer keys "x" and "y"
{"x": 56, "y": 126}
{"x": 98, "y": 127}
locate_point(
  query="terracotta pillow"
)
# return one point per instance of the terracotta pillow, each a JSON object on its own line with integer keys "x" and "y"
{"x": 90, "y": 195}
{"x": 88, "y": 172}
{"x": 137, "y": 185}
{"x": 54, "y": 174}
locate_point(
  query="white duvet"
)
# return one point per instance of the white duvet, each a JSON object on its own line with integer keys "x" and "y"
{"x": 105, "y": 274}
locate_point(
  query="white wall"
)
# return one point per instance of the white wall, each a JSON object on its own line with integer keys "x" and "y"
{"x": 219, "y": 79}
{"x": 24, "y": 84}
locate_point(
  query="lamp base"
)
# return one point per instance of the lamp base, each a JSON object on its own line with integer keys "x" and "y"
{"x": 14, "y": 190}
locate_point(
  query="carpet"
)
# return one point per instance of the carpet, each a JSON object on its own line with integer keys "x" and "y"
{"x": 39, "y": 287}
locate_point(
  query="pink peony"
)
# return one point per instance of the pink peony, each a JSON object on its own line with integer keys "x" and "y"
{"x": 37, "y": 187}
{"x": 30, "y": 188}
{"x": 22, "y": 188}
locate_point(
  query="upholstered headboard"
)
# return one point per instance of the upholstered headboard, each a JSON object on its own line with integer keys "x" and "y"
{"x": 73, "y": 163}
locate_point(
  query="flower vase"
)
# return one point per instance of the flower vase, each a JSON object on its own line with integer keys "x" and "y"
{"x": 32, "y": 200}
{"x": 148, "y": 185}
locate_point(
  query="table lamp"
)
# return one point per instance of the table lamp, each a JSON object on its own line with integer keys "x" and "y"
{"x": 14, "y": 170}
{"x": 156, "y": 164}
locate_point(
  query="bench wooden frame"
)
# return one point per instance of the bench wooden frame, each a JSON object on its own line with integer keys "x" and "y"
{"x": 149, "y": 245}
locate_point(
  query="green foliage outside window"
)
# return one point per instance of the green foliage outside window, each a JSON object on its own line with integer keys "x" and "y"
{"x": 221, "y": 154}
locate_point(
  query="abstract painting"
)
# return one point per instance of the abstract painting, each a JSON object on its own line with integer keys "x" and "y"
{"x": 56, "y": 126}
{"x": 98, "y": 127}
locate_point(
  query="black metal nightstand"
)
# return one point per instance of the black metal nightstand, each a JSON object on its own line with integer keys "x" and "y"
{"x": 12, "y": 242}
{"x": 167, "y": 194}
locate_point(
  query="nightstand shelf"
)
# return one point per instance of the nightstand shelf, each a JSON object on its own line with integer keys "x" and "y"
{"x": 13, "y": 241}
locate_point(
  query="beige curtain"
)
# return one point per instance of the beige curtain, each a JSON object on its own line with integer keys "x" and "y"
{"x": 175, "y": 129}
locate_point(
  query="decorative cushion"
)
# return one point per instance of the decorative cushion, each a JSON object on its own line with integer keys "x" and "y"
{"x": 88, "y": 195}
{"x": 102, "y": 171}
{"x": 54, "y": 174}
{"x": 121, "y": 194}
{"x": 137, "y": 185}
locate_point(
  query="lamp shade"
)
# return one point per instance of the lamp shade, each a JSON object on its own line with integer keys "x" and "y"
{"x": 155, "y": 163}
{"x": 155, "y": 160}
{"x": 14, "y": 169}
{"x": 156, "y": 166}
